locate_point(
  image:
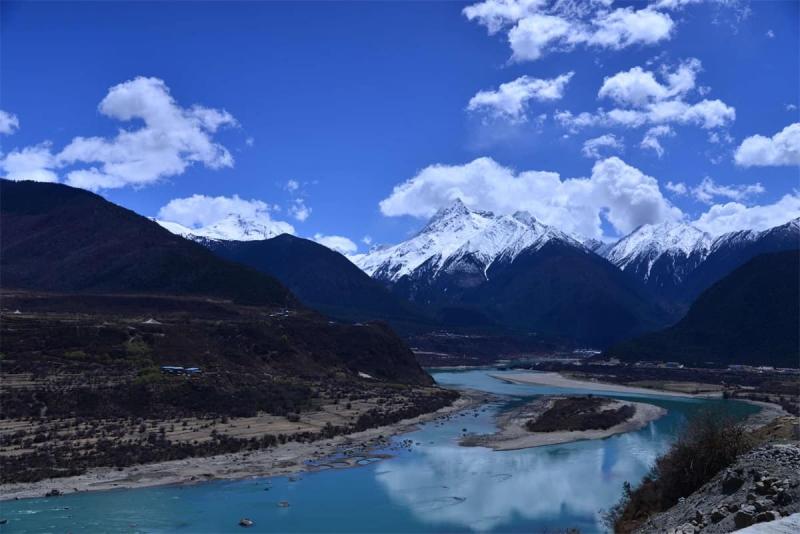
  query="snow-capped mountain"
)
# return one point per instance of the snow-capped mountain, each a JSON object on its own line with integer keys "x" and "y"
{"x": 677, "y": 260}
{"x": 446, "y": 231}
{"x": 661, "y": 255}
{"x": 231, "y": 228}
{"x": 458, "y": 239}
{"x": 598, "y": 247}
{"x": 473, "y": 268}
{"x": 650, "y": 242}
{"x": 785, "y": 232}
{"x": 731, "y": 250}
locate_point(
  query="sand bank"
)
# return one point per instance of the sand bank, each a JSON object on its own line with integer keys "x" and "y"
{"x": 512, "y": 434}
{"x": 560, "y": 381}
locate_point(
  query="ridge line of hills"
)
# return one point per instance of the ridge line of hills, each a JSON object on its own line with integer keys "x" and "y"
{"x": 472, "y": 271}
{"x": 467, "y": 272}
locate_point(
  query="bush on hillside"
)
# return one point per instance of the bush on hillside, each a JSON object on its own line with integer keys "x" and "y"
{"x": 709, "y": 443}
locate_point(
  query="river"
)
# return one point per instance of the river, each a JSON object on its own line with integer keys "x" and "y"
{"x": 436, "y": 486}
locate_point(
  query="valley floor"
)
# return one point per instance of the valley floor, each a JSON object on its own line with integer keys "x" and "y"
{"x": 346, "y": 450}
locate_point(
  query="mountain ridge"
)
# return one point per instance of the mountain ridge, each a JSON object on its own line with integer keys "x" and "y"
{"x": 748, "y": 317}
{"x": 101, "y": 247}
{"x": 321, "y": 278}
{"x": 477, "y": 269}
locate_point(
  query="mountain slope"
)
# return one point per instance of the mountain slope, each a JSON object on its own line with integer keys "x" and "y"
{"x": 563, "y": 291}
{"x": 59, "y": 238}
{"x": 750, "y": 316}
{"x": 320, "y": 277}
{"x": 477, "y": 269}
{"x": 677, "y": 261}
{"x": 447, "y": 230}
{"x": 731, "y": 250}
{"x": 456, "y": 248}
{"x": 661, "y": 255}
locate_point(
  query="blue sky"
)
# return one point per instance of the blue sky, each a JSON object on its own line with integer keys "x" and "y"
{"x": 345, "y": 101}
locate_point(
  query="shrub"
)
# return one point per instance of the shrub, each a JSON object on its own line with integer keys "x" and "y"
{"x": 709, "y": 443}
{"x": 149, "y": 375}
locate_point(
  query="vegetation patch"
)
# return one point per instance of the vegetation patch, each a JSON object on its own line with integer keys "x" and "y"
{"x": 580, "y": 413}
{"x": 710, "y": 442}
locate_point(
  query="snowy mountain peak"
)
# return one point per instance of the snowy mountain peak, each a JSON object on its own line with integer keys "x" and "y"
{"x": 453, "y": 217}
{"x": 234, "y": 227}
{"x": 457, "y": 233}
{"x": 648, "y": 243}
{"x": 456, "y": 208}
{"x": 526, "y": 218}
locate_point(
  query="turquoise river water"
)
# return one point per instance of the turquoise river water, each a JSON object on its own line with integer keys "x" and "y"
{"x": 438, "y": 486}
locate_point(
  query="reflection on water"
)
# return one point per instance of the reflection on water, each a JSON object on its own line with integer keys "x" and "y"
{"x": 438, "y": 486}
{"x": 564, "y": 485}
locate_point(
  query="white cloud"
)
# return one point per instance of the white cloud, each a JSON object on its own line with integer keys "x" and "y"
{"x": 770, "y": 34}
{"x": 646, "y": 100}
{"x": 535, "y": 35}
{"x": 674, "y": 4}
{"x": 624, "y": 27}
{"x": 367, "y": 240}
{"x": 338, "y": 243}
{"x": 783, "y": 148}
{"x": 510, "y": 100}
{"x": 9, "y": 123}
{"x": 638, "y": 87}
{"x": 537, "y": 27}
{"x": 222, "y": 217}
{"x": 720, "y": 138}
{"x": 652, "y": 137}
{"x": 172, "y": 139}
{"x": 733, "y": 216}
{"x": 495, "y": 14}
{"x": 635, "y": 87}
{"x": 299, "y": 210}
{"x": 202, "y": 210}
{"x": 30, "y": 163}
{"x": 292, "y": 186}
{"x": 622, "y": 194}
{"x": 706, "y": 114}
{"x": 791, "y": 107}
{"x": 678, "y": 188}
{"x": 708, "y": 190}
{"x": 592, "y": 147}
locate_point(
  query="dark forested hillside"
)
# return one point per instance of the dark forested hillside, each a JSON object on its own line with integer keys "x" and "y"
{"x": 734, "y": 249}
{"x": 751, "y": 316}
{"x": 559, "y": 291}
{"x": 321, "y": 278}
